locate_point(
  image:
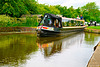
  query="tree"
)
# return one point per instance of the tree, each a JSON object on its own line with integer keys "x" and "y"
{"x": 63, "y": 10}
{"x": 71, "y": 12}
{"x": 91, "y": 11}
{"x": 16, "y": 8}
{"x": 31, "y": 6}
{"x": 7, "y": 9}
{"x": 42, "y": 9}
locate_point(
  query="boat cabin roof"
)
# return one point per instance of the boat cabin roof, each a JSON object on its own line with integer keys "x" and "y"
{"x": 52, "y": 16}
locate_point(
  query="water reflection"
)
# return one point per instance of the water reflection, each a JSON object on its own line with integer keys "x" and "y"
{"x": 50, "y": 48}
{"x": 27, "y": 50}
{"x": 72, "y": 51}
{"x": 90, "y": 38}
{"x": 15, "y": 49}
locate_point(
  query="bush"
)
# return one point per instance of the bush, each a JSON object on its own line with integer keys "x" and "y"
{"x": 6, "y": 21}
{"x": 31, "y": 21}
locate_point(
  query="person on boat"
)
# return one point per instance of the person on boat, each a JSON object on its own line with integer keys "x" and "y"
{"x": 78, "y": 17}
{"x": 81, "y": 17}
{"x": 50, "y": 22}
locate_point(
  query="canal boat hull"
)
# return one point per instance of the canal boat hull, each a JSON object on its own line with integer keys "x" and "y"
{"x": 58, "y": 31}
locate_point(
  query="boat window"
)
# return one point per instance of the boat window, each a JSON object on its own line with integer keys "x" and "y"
{"x": 42, "y": 22}
{"x": 57, "y": 23}
{"x": 47, "y": 21}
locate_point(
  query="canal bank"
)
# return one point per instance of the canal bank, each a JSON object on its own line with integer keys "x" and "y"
{"x": 92, "y": 30}
{"x": 95, "y": 59}
{"x": 17, "y": 30}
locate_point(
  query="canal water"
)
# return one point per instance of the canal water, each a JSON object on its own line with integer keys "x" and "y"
{"x": 28, "y": 50}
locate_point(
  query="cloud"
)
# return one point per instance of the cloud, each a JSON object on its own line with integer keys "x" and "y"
{"x": 74, "y": 3}
{"x": 51, "y": 2}
{"x": 79, "y": 3}
{"x": 69, "y": 3}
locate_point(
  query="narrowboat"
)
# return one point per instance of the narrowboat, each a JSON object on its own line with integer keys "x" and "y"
{"x": 52, "y": 25}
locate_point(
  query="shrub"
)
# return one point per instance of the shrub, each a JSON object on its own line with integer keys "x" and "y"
{"x": 6, "y": 21}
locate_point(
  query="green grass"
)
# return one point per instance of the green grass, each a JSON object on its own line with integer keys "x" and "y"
{"x": 94, "y": 27}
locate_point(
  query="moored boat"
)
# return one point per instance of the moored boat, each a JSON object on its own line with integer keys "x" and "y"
{"x": 52, "y": 25}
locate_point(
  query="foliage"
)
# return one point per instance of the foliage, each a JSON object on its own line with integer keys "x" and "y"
{"x": 63, "y": 10}
{"x": 91, "y": 12}
{"x": 31, "y": 21}
{"x": 17, "y": 8}
{"x": 7, "y": 21}
{"x": 42, "y": 9}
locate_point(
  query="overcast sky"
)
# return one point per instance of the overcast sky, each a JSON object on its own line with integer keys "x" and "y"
{"x": 68, "y": 3}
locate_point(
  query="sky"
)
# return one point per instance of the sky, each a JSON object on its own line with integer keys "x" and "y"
{"x": 69, "y": 3}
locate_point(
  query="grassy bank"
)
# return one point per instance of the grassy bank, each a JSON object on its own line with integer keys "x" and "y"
{"x": 93, "y": 27}
{"x": 7, "y": 21}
